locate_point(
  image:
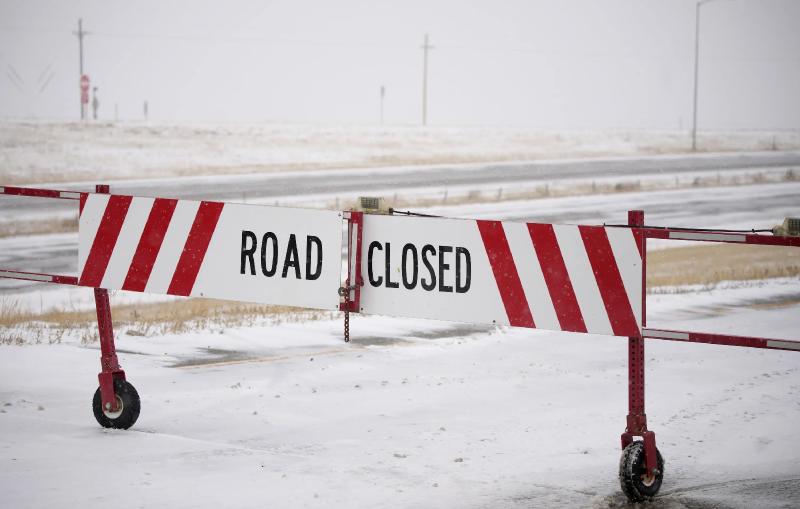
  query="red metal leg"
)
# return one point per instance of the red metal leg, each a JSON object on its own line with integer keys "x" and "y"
{"x": 110, "y": 368}
{"x": 354, "y": 281}
{"x": 352, "y": 285}
{"x": 637, "y": 419}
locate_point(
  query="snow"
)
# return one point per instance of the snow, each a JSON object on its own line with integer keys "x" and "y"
{"x": 412, "y": 413}
{"x": 67, "y": 152}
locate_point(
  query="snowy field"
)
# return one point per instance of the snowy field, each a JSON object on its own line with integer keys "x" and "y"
{"x": 411, "y": 413}
{"x": 69, "y": 152}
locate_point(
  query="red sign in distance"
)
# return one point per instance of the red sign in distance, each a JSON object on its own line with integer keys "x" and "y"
{"x": 85, "y": 89}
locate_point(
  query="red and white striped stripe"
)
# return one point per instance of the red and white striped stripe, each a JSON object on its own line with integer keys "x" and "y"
{"x": 145, "y": 244}
{"x": 591, "y": 276}
{"x": 181, "y": 247}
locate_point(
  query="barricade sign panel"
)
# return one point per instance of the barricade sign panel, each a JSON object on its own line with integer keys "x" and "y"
{"x": 556, "y": 277}
{"x": 269, "y": 255}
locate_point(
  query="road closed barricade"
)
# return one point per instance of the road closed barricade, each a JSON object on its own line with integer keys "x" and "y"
{"x": 572, "y": 278}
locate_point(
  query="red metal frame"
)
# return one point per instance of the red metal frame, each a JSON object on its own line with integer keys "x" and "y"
{"x": 722, "y": 339}
{"x": 38, "y": 276}
{"x": 728, "y": 238}
{"x": 110, "y": 369}
{"x": 718, "y": 236}
{"x": 637, "y": 419}
{"x": 109, "y": 364}
{"x": 355, "y": 228}
{"x": 42, "y": 193}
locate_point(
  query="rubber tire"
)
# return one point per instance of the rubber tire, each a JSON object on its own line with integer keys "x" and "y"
{"x": 130, "y": 406}
{"x": 632, "y": 467}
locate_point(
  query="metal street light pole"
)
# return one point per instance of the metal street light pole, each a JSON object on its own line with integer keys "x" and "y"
{"x": 696, "y": 68}
{"x": 383, "y": 94}
{"x": 425, "y": 48}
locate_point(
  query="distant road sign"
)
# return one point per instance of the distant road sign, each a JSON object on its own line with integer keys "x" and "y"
{"x": 85, "y": 89}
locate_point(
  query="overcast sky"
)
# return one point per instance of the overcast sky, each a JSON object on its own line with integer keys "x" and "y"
{"x": 553, "y": 64}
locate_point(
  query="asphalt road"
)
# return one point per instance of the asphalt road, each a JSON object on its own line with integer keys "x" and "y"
{"x": 366, "y": 181}
{"x": 705, "y": 206}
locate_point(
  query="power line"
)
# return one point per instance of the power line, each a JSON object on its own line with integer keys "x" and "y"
{"x": 212, "y": 39}
{"x": 550, "y": 53}
{"x": 247, "y": 40}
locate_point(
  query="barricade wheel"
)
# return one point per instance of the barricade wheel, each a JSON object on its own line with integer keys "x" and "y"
{"x": 129, "y": 407}
{"x": 636, "y": 482}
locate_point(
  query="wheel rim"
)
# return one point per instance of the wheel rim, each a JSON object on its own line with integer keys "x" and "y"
{"x": 648, "y": 479}
{"x": 115, "y": 415}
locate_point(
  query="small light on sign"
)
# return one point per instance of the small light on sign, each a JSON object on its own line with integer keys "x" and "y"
{"x": 789, "y": 228}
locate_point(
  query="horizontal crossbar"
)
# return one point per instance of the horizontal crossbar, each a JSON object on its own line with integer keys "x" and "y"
{"x": 35, "y": 276}
{"x": 40, "y": 193}
{"x": 721, "y": 339}
{"x": 716, "y": 236}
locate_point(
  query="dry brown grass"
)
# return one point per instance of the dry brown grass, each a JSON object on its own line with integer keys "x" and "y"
{"x": 190, "y": 314}
{"x": 712, "y": 263}
{"x": 147, "y": 320}
{"x": 39, "y": 227}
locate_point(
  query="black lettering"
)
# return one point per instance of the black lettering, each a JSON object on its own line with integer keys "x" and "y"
{"x": 374, "y": 282}
{"x": 247, "y": 252}
{"x": 389, "y": 282}
{"x": 269, "y": 272}
{"x": 292, "y": 258}
{"x": 431, "y": 283}
{"x": 312, "y": 240}
{"x": 410, "y": 248}
{"x": 463, "y": 288}
{"x": 443, "y": 267}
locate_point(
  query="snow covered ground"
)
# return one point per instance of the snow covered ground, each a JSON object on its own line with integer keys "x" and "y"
{"x": 411, "y": 413}
{"x": 69, "y": 152}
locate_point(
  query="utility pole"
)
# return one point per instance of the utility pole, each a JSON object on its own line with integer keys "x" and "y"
{"x": 80, "y": 33}
{"x": 425, "y": 48}
{"x": 383, "y": 93}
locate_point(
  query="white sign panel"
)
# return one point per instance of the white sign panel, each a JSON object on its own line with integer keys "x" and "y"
{"x": 556, "y": 277}
{"x": 427, "y": 268}
{"x": 270, "y": 255}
